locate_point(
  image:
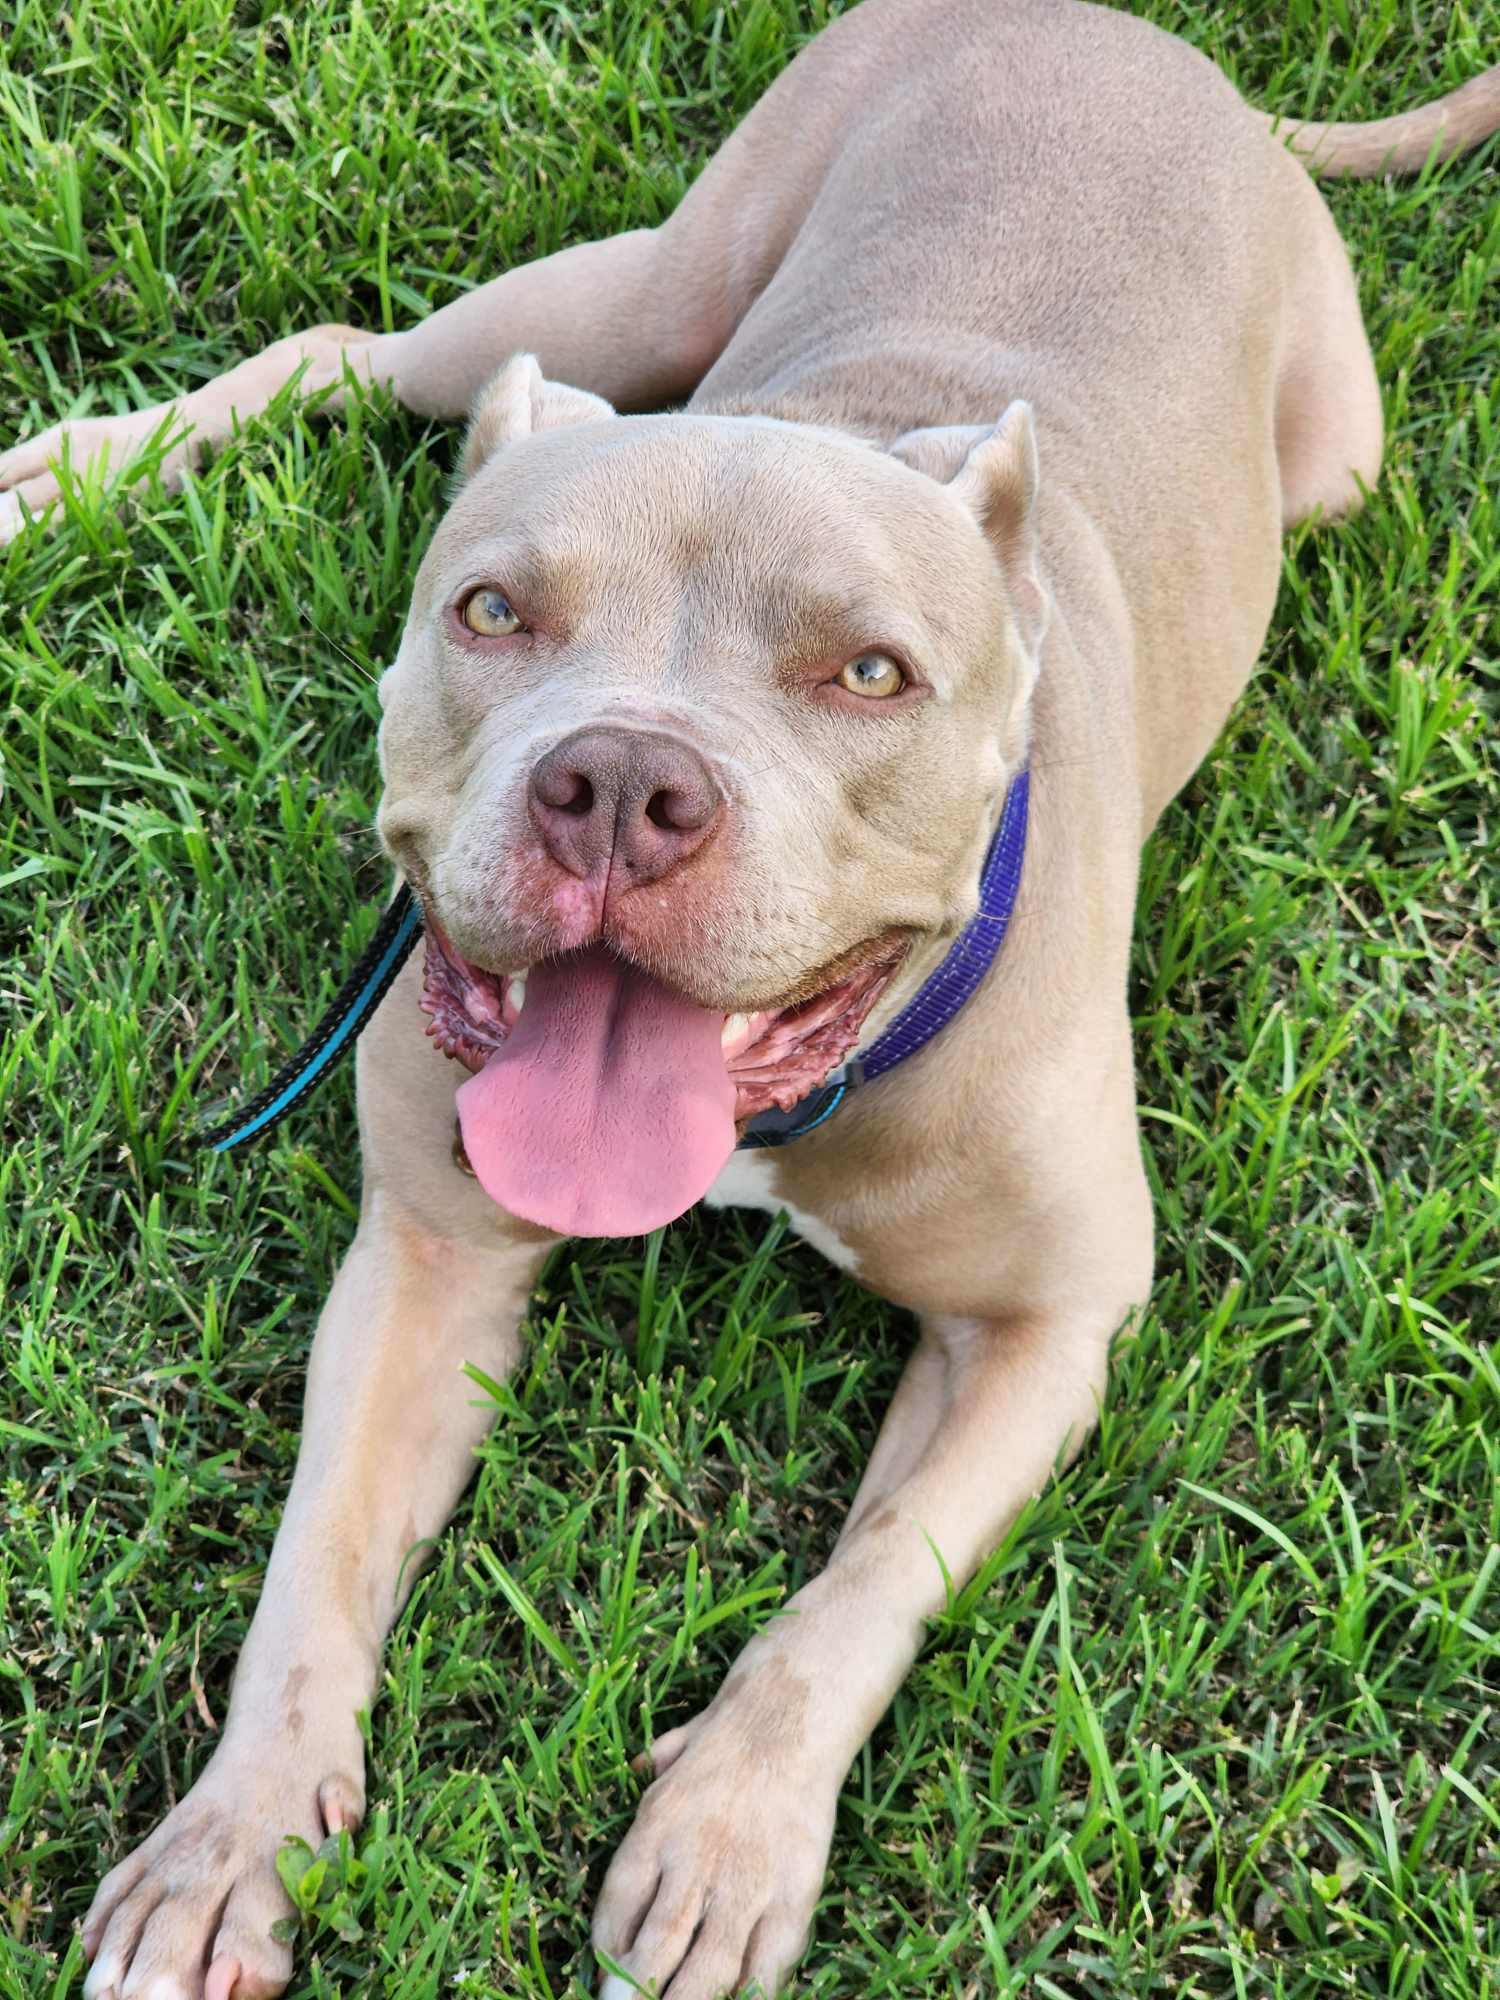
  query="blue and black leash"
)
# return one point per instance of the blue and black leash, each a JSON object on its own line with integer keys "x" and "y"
{"x": 361, "y": 993}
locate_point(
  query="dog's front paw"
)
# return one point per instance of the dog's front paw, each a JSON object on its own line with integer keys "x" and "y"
{"x": 715, "y": 1885}
{"x": 189, "y": 1915}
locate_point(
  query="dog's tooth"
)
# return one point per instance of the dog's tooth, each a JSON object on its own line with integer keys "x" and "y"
{"x": 515, "y": 991}
{"x": 734, "y": 1027}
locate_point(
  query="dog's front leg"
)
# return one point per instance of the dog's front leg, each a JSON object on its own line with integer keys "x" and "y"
{"x": 715, "y": 1885}
{"x": 390, "y": 1430}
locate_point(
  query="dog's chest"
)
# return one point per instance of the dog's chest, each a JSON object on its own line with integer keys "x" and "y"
{"x": 749, "y": 1181}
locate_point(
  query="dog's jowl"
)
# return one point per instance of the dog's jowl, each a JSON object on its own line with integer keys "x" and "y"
{"x": 776, "y": 770}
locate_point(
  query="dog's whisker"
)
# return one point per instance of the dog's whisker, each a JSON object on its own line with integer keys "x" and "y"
{"x": 336, "y": 645}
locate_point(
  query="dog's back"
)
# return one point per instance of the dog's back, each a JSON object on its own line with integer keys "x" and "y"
{"x": 1063, "y": 202}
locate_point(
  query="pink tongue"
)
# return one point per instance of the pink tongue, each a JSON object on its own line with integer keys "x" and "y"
{"x": 609, "y": 1110}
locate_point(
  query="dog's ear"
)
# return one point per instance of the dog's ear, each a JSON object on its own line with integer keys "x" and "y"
{"x": 994, "y": 474}
{"x": 516, "y": 402}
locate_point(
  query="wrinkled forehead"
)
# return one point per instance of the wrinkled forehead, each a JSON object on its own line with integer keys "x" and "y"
{"x": 786, "y": 535}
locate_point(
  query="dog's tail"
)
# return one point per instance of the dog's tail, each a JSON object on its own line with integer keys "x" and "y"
{"x": 1399, "y": 145}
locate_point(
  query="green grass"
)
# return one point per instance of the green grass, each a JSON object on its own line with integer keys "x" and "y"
{"x": 1219, "y": 1719}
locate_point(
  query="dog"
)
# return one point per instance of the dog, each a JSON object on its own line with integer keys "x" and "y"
{"x": 1010, "y": 341}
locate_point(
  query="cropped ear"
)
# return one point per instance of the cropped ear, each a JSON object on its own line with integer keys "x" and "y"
{"x": 994, "y": 474}
{"x": 518, "y": 401}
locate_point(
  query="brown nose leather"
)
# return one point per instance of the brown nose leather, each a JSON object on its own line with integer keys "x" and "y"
{"x": 623, "y": 798}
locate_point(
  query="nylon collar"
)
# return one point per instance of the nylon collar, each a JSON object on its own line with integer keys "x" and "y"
{"x": 940, "y": 996}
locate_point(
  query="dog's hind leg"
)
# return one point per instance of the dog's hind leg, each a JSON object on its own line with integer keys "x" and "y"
{"x": 598, "y": 314}
{"x": 437, "y": 1277}
{"x": 1328, "y": 416}
{"x": 638, "y": 318}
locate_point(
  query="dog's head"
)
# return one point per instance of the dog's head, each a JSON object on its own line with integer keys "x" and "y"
{"x": 697, "y": 734}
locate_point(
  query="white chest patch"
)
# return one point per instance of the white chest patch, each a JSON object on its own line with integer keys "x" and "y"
{"x": 748, "y": 1181}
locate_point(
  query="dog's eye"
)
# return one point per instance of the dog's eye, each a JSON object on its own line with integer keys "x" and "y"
{"x": 491, "y": 614}
{"x": 872, "y": 674}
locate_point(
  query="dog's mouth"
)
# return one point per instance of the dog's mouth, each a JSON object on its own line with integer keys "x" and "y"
{"x": 605, "y": 1103}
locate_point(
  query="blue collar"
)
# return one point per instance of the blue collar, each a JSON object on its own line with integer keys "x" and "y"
{"x": 939, "y": 997}
{"x": 929, "y": 1010}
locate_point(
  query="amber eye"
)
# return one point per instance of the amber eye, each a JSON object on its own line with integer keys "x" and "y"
{"x": 873, "y": 674}
{"x": 492, "y": 615}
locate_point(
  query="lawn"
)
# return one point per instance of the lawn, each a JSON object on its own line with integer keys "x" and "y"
{"x": 1218, "y": 1719}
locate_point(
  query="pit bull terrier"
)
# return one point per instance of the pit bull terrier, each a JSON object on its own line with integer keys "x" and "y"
{"x": 1010, "y": 340}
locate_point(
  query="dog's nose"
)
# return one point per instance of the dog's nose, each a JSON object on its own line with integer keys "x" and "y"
{"x": 627, "y": 798}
